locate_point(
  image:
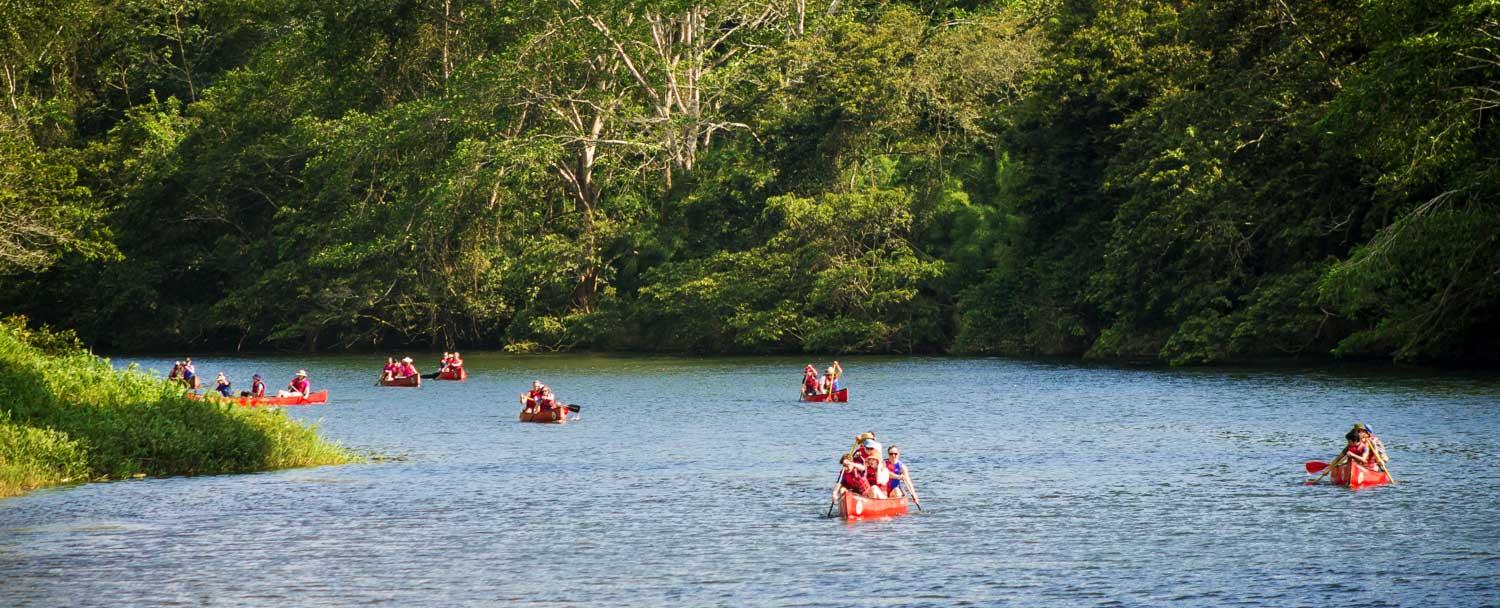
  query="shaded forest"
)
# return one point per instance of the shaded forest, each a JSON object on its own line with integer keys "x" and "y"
{"x": 1190, "y": 182}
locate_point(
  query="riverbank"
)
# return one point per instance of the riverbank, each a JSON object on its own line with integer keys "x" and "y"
{"x": 67, "y": 416}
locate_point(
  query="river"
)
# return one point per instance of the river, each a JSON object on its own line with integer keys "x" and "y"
{"x": 704, "y": 482}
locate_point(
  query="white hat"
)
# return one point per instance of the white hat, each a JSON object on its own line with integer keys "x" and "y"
{"x": 406, "y": 360}
{"x": 302, "y": 372}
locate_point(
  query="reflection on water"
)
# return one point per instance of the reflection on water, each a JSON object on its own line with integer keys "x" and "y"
{"x": 705, "y": 482}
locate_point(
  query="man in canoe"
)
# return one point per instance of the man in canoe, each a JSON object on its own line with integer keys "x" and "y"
{"x": 809, "y": 381}
{"x": 257, "y": 387}
{"x": 407, "y": 369}
{"x": 443, "y": 363}
{"x": 299, "y": 386}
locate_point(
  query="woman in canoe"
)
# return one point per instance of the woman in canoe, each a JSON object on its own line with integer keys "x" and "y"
{"x": 221, "y": 384}
{"x": 533, "y": 398}
{"x": 455, "y": 362}
{"x": 1374, "y": 451}
{"x": 299, "y": 386}
{"x": 407, "y": 369}
{"x": 443, "y": 363}
{"x": 1357, "y": 449}
{"x": 388, "y": 373}
{"x": 897, "y": 470}
{"x": 809, "y": 381}
{"x": 189, "y": 373}
{"x": 176, "y": 374}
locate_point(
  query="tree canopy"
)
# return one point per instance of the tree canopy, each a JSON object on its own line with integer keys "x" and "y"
{"x": 1184, "y": 181}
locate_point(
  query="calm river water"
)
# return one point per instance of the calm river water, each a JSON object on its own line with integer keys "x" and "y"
{"x": 704, "y": 482}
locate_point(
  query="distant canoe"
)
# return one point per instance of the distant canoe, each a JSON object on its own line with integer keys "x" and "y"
{"x": 1355, "y": 476}
{"x": 408, "y": 381}
{"x": 269, "y": 400}
{"x": 839, "y": 396}
{"x": 854, "y": 506}
{"x": 453, "y": 373}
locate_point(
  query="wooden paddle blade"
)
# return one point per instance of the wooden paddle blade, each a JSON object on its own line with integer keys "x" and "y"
{"x": 1315, "y": 466}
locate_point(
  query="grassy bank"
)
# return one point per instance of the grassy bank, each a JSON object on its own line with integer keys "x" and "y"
{"x": 66, "y": 415}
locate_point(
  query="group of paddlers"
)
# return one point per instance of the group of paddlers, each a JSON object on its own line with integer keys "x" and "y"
{"x": 450, "y": 362}
{"x": 183, "y": 372}
{"x": 1362, "y": 448}
{"x": 397, "y": 369}
{"x": 867, "y": 473}
{"x": 539, "y": 399}
{"x": 813, "y": 386}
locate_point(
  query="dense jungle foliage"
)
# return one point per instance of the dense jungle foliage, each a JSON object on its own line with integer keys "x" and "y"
{"x": 1188, "y": 181}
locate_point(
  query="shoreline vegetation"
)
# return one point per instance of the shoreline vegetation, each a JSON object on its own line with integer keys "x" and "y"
{"x": 68, "y": 416}
{"x": 1192, "y": 183}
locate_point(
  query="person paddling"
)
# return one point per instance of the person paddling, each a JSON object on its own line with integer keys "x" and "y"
{"x": 388, "y": 372}
{"x": 809, "y": 381}
{"x": 257, "y": 386}
{"x": 298, "y": 387}
{"x": 407, "y": 369}
{"x": 854, "y": 478}
{"x": 897, "y": 470}
{"x": 221, "y": 384}
{"x": 189, "y": 373}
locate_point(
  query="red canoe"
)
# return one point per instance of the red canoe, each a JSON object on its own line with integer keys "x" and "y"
{"x": 558, "y": 415}
{"x": 453, "y": 373}
{"x": 1355, "y": 476}
{"x": 840, "y": 396}
{"x": 270, "y": 400}
{"x": 412, "y": 380}
{"x": 853, "y": 506}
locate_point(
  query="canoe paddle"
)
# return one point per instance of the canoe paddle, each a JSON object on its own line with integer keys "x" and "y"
{"x": 1326, "y": 468}
{"x": 913, "y": 489}
{"x": 1313, "y": 466}
{"x": 836, "y": 485}
{"x": 1381, "y": 459}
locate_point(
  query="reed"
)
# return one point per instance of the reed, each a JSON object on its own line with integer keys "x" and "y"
{"x": 66, "y": 415}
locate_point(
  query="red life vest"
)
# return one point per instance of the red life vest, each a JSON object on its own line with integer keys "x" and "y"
{"x": 855, "y": 482}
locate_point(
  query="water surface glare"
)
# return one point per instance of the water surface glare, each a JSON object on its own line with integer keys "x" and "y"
{"x": 703, "y": 482}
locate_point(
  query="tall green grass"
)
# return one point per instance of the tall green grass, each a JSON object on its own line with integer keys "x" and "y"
{"x": 66, "y": 415}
